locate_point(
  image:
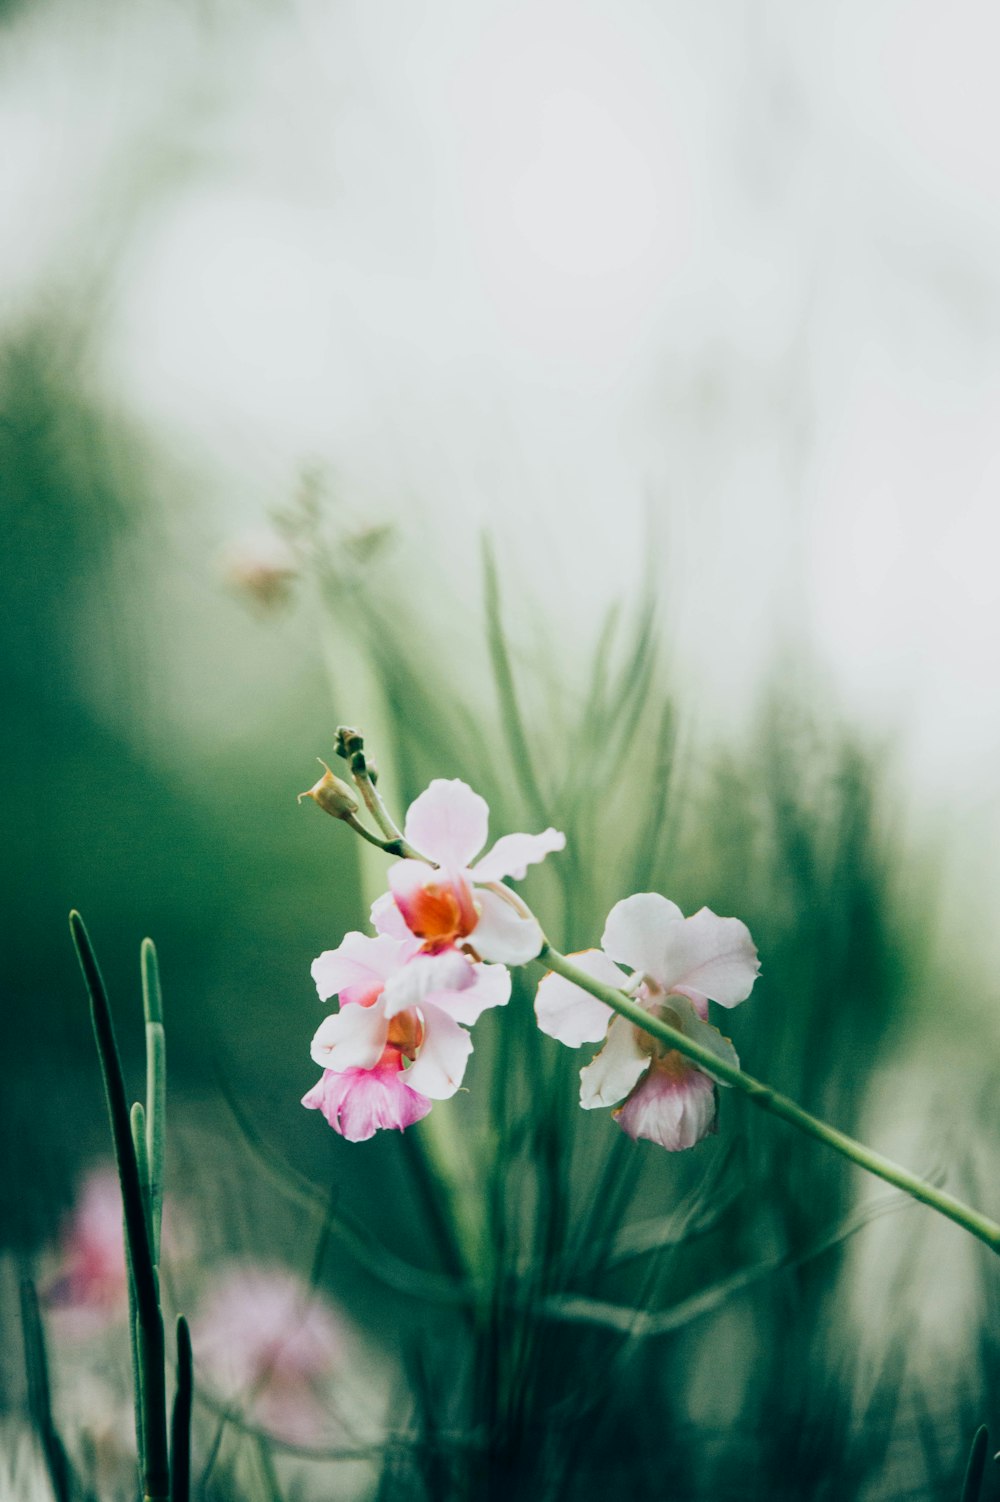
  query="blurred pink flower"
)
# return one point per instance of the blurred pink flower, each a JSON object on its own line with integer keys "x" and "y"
{"x": 90, "y": 1288}
{"x": 449, "y": 903}
{"x": 678, "y": 964}
{"x": 267, "y": 1343}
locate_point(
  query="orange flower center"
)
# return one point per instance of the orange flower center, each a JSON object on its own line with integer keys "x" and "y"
{"x": 441, "y": 913}
{"x": 406, "y": 1033}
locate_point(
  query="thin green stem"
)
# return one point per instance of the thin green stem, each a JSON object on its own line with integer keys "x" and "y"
{"x": 980, "y": 1226}
{"x": 390, "y": 847}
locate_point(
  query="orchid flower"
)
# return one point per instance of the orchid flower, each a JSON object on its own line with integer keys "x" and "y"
{"x": 397, "y": 1042}
{"x": 458, "y": 899}
{"x": 678, "y": 964}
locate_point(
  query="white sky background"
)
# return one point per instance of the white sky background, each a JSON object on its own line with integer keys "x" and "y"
{"x": 727, "y": 272}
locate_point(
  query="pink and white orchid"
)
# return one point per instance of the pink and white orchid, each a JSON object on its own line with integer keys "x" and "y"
{"x": 678, "y": 964}
{"x": 458, "y": 899}
{"x": 397, "y": 1042}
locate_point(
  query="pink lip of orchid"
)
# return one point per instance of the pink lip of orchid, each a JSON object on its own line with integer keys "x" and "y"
{"x": 397, "y": 1042}
{"x": 451, "y": 902}
{"x": 678, "y": 965}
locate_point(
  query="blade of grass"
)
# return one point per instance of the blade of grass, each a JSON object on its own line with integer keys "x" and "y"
{"x": 510, "y": 709}
{"x": 180, "y": 1422}
{"x": 156, "y": 1086}
{"x": 149, "y": 1322}
{"x": 40, "y": 1395}
{"x": 973, "y": 1482}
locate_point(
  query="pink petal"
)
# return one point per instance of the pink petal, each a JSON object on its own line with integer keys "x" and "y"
{"x": 634, "y": 932}
{"x": 709, "y": 956}
{"x": 352, "y": 1038}
{"x": 361, "y": 1101}
{"x": 569, "y": 1013}
{"x": 514, "y": 853}
{"x": 502, "y": 934}
{"x": 440, "y": 1064}
{"x": 424, "y": 976}
{"x": 674, "y": 1106}
{"x": 436, "y": 905}
{"x": 387, "y": 919}
{"x": 490, "y": 988}
{"x": 359, "y": 963}
{"x": 448, "y": 823}
{"x": 612, "y": 1073}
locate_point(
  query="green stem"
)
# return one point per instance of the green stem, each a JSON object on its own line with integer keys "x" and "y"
{"x": 770, "y": 1100}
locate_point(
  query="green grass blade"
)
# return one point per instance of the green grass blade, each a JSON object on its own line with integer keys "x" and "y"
{"x": 156, "y": 1087}
{"x": 972, "y": 1485}
{"x": 510, "y": 710}
{"x": 149, "y": 1321}
{"x": 180, "y": 1425}
{"x": 40, "y": 1395}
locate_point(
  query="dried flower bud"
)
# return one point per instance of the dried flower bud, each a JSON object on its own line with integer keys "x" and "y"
{"x": 332, "y": 795}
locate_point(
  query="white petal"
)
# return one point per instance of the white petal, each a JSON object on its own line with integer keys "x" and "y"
{"x": 634, "y": 932}
{"x": 699, "y": 1031}
{"x": 448, "y": 823}
{"x": 514, "y": 853}
{"x": 502, "y": 934}
{"x": 358, "y": 961}
{"x": 352, "y": 1038}
{"x": 569, "y": 1013}
{"x": 423, "y": 976}
{"x": 491, "y": 988}
{"x": 439, "y": 1066}
{"x": 610, "y": 1076}
{"x": 710, "y": 956}
{"x": 387, "y": 919}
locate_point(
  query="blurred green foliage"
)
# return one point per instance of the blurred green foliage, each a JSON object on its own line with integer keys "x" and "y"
{"x": 677, "y": 1323}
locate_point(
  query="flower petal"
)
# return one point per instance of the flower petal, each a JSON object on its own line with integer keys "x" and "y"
{"x": 490, "y": 988}
{"x": 352, "y": 1038}
{"x": 439, "y": 1066}
{"x": 387, "y": 919}
{"x": 674, "y": 1106}
{"x": 502, "y": 933}
{"x": 709, "y": 956}
{"x": 424, "y": 976}
{"x": 514, "y": 853}
{"x": 360, "y": 1101}
{"x": 569, "y": 1013}
{"x": 448, "y": 823}
{"x": 359, "y": 963}
{"x": 610, "y": 1076}
{"x": 634, "y": 932}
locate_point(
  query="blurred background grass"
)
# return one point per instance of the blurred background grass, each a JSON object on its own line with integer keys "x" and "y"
{"x": 701, "y": 1325}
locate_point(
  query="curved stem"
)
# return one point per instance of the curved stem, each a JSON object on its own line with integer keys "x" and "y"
{"x": 772, "y": 1101}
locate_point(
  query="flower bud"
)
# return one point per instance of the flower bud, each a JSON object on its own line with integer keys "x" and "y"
{"x": 332, "y": 795}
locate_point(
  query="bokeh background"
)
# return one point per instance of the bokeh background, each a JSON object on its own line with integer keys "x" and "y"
{"x": 693, "y": 313}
